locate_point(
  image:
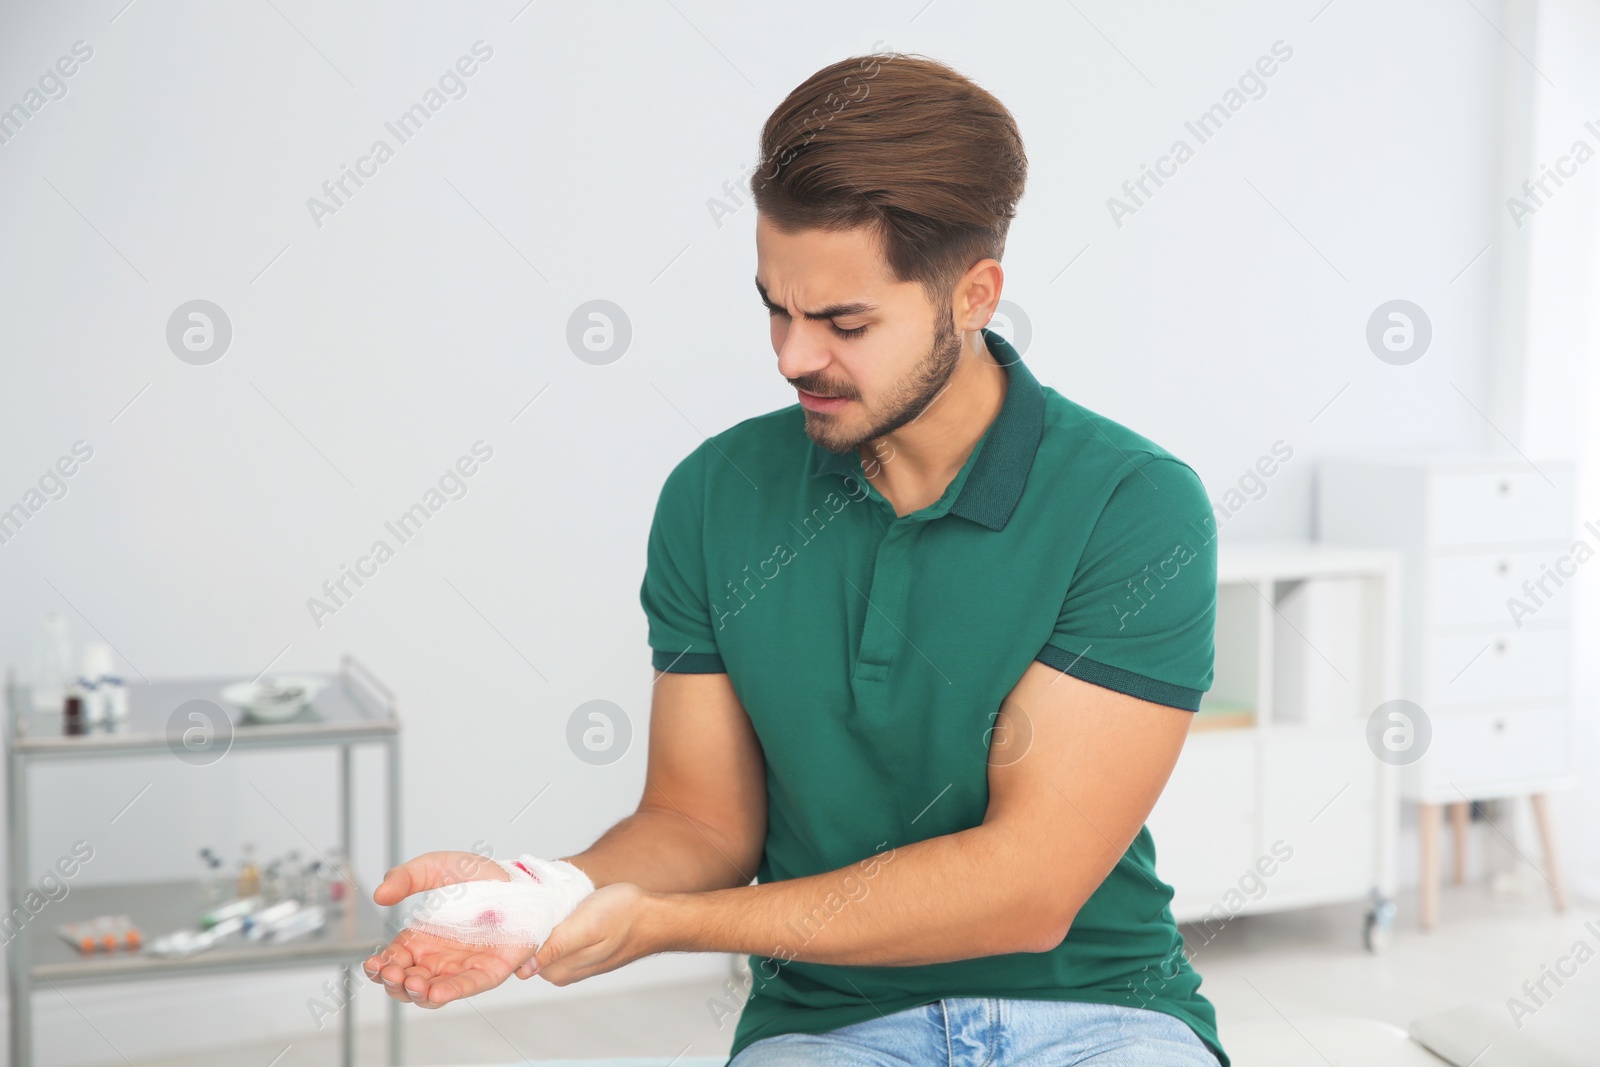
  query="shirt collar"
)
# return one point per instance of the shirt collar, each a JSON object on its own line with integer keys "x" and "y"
{"x": 1005, "y": 453}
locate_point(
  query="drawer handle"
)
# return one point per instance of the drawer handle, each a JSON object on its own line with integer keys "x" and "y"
{"x": 1500, "y": 645}
{"x": 1505, "y": 488}
{"x": 1503, "y": 567}
{"x": 1499, "y": 725}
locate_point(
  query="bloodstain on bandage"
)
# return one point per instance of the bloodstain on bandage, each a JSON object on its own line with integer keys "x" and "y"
{"x": 521, "y": 911}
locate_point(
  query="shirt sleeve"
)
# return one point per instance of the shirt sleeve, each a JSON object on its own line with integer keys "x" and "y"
{"x": 1140, "y": 612}
{"x": 673, "y": 593}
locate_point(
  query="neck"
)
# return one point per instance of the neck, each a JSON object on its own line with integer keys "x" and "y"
{"x": 913, "y": 465}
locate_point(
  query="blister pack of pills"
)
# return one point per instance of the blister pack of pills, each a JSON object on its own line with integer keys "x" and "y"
{"x": 105, "y": 933}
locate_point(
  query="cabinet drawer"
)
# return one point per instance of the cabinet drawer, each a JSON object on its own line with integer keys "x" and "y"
{"x": 1479, "y": 747}
{"x": 1319, "y": 796}
{"x": 1513, "y": 503}
{"x": 1473, "y": 588}
{"x": 1524, "y": 665}
{"x": 1203, "y": 824}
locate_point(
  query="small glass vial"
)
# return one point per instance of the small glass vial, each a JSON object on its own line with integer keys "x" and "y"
{"x": 115, "y": 693}
{"x": 249, "y": 874}
{"x": 72, "y": 710}
{"x": 294, "y": 883}
{"x": 338, "y": 881}
{"x": 94, "y": 704}
{"x": 97, "y": 665}
{"x": 316, "y": 883}
{"x": 220, "y": 885}
{"x": 272, "y": 882}
{"x": 215, "y": 888}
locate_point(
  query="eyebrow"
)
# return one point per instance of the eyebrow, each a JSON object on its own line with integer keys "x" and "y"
{"x": 832, "y": 311}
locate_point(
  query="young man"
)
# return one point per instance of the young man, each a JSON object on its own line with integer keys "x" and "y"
{"x": 930, "y": 642}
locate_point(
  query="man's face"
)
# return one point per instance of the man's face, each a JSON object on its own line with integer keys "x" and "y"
{"x": 866, "y": 353}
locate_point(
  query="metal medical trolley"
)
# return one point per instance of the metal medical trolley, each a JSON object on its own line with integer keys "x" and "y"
{"x": 355, "y": 708}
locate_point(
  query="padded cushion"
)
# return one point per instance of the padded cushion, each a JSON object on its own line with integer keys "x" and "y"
{"x": 1564, "y": 1032}
{"x": 1319, "y": 1042}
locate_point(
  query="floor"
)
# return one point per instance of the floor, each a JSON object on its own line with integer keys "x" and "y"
{"x": 1271, "y": 969}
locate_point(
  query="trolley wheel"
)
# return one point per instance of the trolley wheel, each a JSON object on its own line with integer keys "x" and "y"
{"x": 1378, "y": 928}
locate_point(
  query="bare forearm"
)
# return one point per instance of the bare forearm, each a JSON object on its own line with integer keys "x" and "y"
{"x": 665, "y": 852}
{"x": 946, "y": 898}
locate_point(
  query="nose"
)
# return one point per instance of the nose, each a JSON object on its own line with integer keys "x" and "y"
{"x": 801, "y": 351}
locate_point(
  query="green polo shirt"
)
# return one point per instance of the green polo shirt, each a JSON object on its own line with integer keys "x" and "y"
{"x": 872, "y": 652}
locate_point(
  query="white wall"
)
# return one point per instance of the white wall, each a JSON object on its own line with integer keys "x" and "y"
{"x": 1226, "y": 313}
{"x": 1563, "y": 388}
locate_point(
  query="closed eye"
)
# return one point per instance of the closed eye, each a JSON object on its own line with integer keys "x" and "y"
{"x": 857, "y": 332}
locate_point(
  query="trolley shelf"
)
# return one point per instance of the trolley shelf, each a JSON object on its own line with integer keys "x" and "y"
{"x": 158, "y": 908}
{"x": 348, "y": 709}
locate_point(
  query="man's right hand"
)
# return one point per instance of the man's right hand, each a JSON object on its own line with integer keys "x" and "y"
{"x": 430, "y": 971}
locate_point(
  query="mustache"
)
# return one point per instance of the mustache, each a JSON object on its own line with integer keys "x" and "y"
{"x": 817, "y": 387}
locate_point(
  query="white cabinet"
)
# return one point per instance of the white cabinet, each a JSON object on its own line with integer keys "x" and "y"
{"x": 1488, "y": 547}
{"x": 1487, "y": 550}
{"x": 1277, "y": 801}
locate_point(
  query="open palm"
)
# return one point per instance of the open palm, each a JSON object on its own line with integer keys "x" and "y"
{"x": 430, "y": 971}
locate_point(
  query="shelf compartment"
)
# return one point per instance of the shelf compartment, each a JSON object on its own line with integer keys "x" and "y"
{"x": 351, "y": 708}
{"x": 158, "y": 908}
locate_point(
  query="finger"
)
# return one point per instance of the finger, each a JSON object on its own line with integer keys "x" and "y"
{"x": 455, "y": 987}
{"x": 412, "y": 876}
{"x": 392, "y": 975}
{"x": 548, "y": 953}
{"x": 415, "y": 986}
{"x": 394, "y": 970}
{"x": 431, "y": 870}
{"x": 396, "y": 991}
{"x": 393, "y": 979}
{"x": 398, "y": 954}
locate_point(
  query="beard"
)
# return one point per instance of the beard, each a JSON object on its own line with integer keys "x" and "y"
{"x": 905, "y": 402}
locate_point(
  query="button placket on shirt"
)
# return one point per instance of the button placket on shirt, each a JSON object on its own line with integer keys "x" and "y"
{"x": 883, "y": 629}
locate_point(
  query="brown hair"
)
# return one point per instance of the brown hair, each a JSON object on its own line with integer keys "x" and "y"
{"x": 905, "y": 145}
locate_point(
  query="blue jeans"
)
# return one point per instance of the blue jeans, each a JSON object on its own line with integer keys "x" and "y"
{"x": 993, "y": 1032}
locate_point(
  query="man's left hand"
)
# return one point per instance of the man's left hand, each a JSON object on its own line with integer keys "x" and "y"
{"x": 605, "y": 931}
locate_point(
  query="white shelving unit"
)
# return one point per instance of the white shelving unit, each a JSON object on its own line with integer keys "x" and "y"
{"x": 1314, "y": 786}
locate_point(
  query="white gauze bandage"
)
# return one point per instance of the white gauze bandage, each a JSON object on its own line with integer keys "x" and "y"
{"x": 522, "y": 911}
